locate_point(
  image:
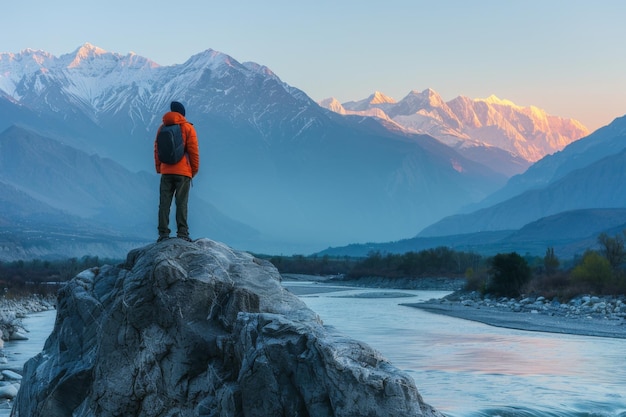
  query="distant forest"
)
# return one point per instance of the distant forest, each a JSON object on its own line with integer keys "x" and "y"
{"x": 43, "y": 277}
{"x": 598, "y": 272}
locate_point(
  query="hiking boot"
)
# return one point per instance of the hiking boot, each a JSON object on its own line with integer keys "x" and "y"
{"x": 162, "y": 238}
{"x": 185, "y": 238}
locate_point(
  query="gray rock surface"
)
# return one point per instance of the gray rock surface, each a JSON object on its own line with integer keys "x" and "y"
{"x": 199, "y": 329}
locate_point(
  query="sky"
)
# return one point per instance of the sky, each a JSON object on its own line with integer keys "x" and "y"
{"x": 566, "y": 57}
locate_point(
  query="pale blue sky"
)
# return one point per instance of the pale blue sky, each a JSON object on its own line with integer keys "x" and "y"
{"x": 564, "y": 56}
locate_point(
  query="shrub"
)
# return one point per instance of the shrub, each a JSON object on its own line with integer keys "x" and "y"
{"x": 509, "y": 274}
{"x": 594, "y": 270}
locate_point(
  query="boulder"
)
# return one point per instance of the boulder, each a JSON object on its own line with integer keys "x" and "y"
{"x": 198, "y": 329}
{"x": 10, "y": 375}
{"x": 8, "y": 391}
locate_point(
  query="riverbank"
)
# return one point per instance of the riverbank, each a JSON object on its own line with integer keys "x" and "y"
{"x": 12, "y": 311}
{"x": 427, "y": 283}
{"x": 585, "y": 315}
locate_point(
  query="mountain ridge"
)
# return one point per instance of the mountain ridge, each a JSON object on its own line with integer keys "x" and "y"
{"x": 563, "y": 201}
{"x": 586, "y": 174}
{"x": 526, "y": 133}
{"x": 290, "y": 175}
{"x": 272, "y": 160}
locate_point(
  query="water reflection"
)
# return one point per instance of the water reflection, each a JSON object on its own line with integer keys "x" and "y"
{"x": 466, "y": 368}
{"x": 39, "y": 326}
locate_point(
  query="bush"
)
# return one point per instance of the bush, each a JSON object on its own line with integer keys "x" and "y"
{"x": 509, "y": 274}
{"x": 554, "y": 285}
{"x": 594, "y": 271}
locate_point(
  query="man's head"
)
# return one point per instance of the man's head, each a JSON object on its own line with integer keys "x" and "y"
{"x": 177, "y": 107}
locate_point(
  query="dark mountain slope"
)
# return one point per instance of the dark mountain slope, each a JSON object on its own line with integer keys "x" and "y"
{"x": 570, "y": 233}
{"x": 604, "y": 142}
{"x": 57, "y": 185}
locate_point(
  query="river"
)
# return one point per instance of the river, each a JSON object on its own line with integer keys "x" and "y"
{"x": 39, "y": 326}
{"x": 462, "y": 368}
{"x": 469, "y": 369}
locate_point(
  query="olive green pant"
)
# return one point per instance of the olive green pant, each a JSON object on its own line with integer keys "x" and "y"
{"x": 174, "y": 186}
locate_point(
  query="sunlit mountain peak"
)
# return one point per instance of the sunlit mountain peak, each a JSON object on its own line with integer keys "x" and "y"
{"x": 493, "y": 99}
{"x": 380, "y": 98}
{"x": 333, "y": 104}
{"x": 86, "y": 51}
{"x": 428, "y": 96}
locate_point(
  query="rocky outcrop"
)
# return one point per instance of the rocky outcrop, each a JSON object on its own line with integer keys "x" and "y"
{"x": 199, "y": 329}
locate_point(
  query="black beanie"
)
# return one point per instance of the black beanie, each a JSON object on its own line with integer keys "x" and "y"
{"x": 177, "y": 107}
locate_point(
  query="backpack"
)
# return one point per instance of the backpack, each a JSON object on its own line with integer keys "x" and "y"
{"x": 170, "y": 146}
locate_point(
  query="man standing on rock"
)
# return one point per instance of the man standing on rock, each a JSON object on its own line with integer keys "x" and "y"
{"x": 176, "y": 174}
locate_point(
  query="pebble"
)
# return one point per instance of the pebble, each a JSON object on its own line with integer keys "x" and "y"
{"x": 12, "y": 311}
{"x": 9, "y": 391}
{"x": 8, "y": 374}
{"x": 584, "y": 306}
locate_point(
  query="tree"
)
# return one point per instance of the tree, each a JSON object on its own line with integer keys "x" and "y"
{"x": 613, "y": 248}
{"x": 509, "y": 273}
{"x": 550, "y": 261}
{"x": 594, "y": 270}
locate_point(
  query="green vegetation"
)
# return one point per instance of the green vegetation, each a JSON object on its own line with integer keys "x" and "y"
{"x": 599, "y": 272}
{"x": 509, "y": 275}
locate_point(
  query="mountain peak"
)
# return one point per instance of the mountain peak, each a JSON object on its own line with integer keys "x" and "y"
{"x": 380, "y": 98}
{"x": 428, "y": 97}
{"x": 493, "y": 99}
{"x": 333, "y": 104}
{"x": 88, "y": 48}
{"x": 85, "y": 52}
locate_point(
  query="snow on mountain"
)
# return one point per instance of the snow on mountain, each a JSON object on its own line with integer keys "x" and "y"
{"x": 526, "y": 132}
{"x": 587, "y": 174}
{"x": 272, "y": 160}
{"x": 89, "y": 71}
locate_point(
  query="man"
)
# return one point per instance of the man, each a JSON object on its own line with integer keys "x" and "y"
{"x": 176, "y": 177}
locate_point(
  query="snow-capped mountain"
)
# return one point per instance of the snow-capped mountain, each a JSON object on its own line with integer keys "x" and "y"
{"x": 473, "y": 126}
{"x": 563, "y": 201}
{"x": 587, "y": 174}
{"x": 281, "y": 173}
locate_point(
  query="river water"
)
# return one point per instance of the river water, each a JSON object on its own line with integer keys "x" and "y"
{"x": 469, "y": 369}
{"x": 39, "y": 326}
{"x": 462, "y": 368}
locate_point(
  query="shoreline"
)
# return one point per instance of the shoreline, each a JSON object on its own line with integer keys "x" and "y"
{"x": 581, "y": 317}
{"x": 528, "y": 321}
{"x": 12, "y": 311}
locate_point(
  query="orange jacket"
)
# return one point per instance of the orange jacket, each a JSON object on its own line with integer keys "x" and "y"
{"x": 189, "y": 165}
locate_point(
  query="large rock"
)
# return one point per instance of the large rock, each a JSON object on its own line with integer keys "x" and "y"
{"x": 198, "y": 329}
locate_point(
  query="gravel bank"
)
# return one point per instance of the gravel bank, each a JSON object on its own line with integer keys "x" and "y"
{"x": 585, "y": 315}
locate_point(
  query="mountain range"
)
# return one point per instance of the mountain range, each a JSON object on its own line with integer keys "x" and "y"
{"x": 564, "y": 201}
{"x": 279, "y": 173}
{"x": 494, "y": 132}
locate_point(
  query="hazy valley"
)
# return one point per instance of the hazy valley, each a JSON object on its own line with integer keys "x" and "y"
{"x": 280, "y": 173}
